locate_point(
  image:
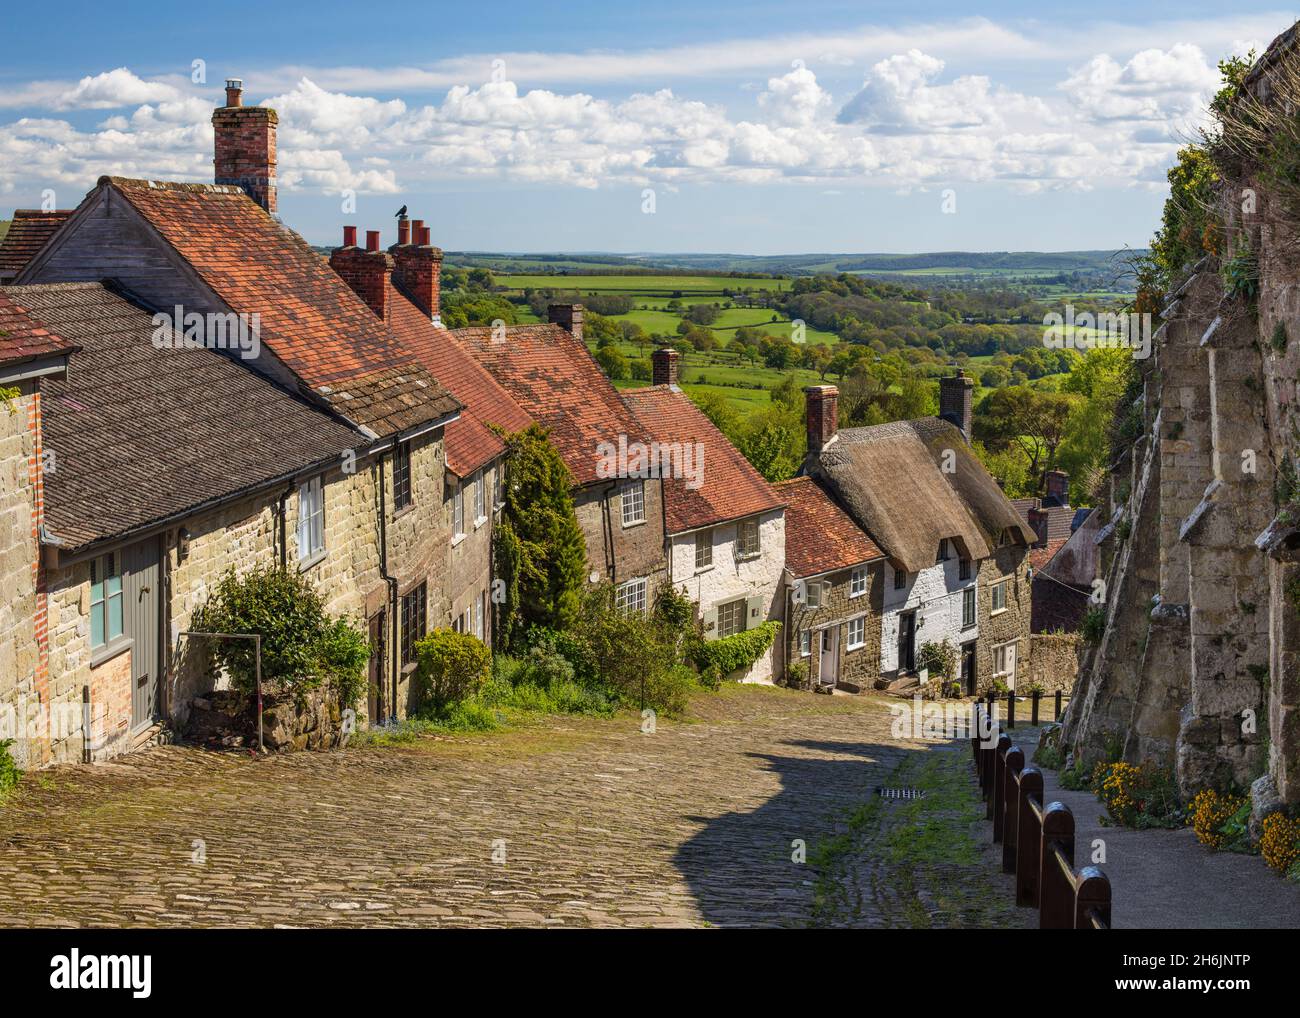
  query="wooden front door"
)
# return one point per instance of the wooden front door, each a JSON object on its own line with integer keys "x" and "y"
{"x": 142, "y": 623}
{"x": 968, "y": 678}
{"x": 907, "y": 642}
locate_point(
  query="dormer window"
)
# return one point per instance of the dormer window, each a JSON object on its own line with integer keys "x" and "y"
{"x": 943, "y": 551}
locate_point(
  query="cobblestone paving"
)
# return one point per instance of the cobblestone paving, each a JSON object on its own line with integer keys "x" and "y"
{"x": 600, "y": 825}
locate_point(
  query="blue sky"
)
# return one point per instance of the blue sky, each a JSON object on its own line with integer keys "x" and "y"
{"x": 758, "y": 127}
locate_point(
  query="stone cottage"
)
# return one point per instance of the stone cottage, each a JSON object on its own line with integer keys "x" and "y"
{"x": 956, "y": 549}
{"x": 393, "y": 533}
{"x": 550, "y": 374}
{"x": 725, "y": 524}
{"x": 834, "y": 591}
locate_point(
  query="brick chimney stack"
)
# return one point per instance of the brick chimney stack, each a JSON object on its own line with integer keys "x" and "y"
{"x": 821, "y": 415}
{"x": 568, "y": 317}
{"x": 366, "y": 272}
{"x": 664, "y": 362}
{"x": 1058, "y": 487}
{"x": 245, "y": 146}
{"x": 418, "y": 267}
{"x": 957, "y": 401}
{"x": 1038, "y": 520}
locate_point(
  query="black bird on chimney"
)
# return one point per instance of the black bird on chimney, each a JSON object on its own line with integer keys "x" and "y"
{"x": 401, "y": 213}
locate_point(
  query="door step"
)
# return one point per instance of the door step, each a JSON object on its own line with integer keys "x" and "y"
{"x": 156, "y": 734}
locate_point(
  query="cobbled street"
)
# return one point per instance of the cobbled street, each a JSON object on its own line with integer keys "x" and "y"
{"x": 576, "y": 822}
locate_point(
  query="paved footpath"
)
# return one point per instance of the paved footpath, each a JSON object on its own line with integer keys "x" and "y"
{"x": 582, "y": 822}
{"x": 1165, "y": 879}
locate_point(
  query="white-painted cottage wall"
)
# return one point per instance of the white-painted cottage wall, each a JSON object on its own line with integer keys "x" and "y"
{"x": 935, "y": 594}
{"x": 728, "y": 579}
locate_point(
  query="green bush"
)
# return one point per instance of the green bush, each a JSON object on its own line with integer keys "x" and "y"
{"x": 796, "y": 676}
{"x": 736, "y": 653}
{"x": 940, "y": 658}
{"x": 301, "y": 645}
{"x": 1094, "y": 624}
{"x": 9, "y": 772}
{"x": 450, "y": 668}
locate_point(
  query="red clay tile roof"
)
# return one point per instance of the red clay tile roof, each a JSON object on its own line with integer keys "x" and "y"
{"x": 558, "y": 383}
{"x": 310, "y": 318}
{"x": 1040, "y": 556}
{"x": 28, "y": 232}
{"x": 142, "y": 434}
{"x": 731, "y": 489}
{"x": 469, "y": 442}
{"x": 820, "y": 537}
{"x": 24, "y": 338}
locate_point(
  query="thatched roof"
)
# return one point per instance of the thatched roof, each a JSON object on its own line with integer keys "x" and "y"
{"x": 891, "y": 479}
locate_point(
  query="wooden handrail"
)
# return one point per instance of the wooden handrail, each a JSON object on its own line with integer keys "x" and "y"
{"x": 1038, "y": 841}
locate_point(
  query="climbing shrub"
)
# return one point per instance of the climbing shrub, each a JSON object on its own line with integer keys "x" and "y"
{"x": 1279, "y": 843}
{"x": 939, "y": 657}
{"x": 302, "y": 647}
{"x": 1218, "y": 819}
{"x": 739, "y": 652}
{"x": 450, "y": 668}
{"x": 9, "y": 772}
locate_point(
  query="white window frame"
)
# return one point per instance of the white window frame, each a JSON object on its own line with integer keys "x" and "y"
{"x": 311, "y": 521}
{"x": 703, "y": 550}
{"x": 860, "y": 626}
{"x": 858, "y": 582}
{"x": 813, "y": 594}
{"x": 746, "y": 529}
{"x": 480, "y": 500}
{"x": 805, "y": 643}
{"x": 998, "y": 592}
{"x": 631, "y": 502}
{"x": 741, "y": 607}
{"x": 631, "y": 596}
{"x": 458, "y": 513}
{"x": 1000, "y": 651}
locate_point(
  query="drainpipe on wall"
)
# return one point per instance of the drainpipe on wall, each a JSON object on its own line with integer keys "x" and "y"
{"x": 284, "y": 527}
{"x": 390, "y": 580}
{"x": 611, "y": 568}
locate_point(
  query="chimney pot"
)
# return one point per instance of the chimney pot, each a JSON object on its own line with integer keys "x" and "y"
{"x": 349, "y": 236}
{"x": 403, "y": 231}
{"x": 821, "y": 415}
{"x": 372, "y": 240}
{"x": 664, "y": 363}
{"x": 1058, "y": 486}
{"x": 417, "y": 228}
{"x": 425, "y": 241}
{"x": 244, "y": 146}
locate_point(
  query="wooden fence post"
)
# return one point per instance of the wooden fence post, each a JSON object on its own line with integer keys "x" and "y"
{"x": 1033, "y": 719}
{"x": 1011, "y": 807}
{"x": 1028, "y": 836}
{"x": 1011, "y": 708}
{"x": 994, "y": 810}
{"x": 1055, "y": 885}
{"x": 1092, "y": 899}
{"x": 1058, "y": 706}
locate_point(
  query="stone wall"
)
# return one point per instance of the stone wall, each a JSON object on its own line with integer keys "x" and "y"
{"x": 22, "y": 679}
{"x": 1054, "y": 661}
{"x": 1011, "y": 625}
{"x": 1199, "y": 668}
{"x": 616, "y": 552}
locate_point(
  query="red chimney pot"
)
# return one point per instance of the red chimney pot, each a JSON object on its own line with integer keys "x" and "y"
{"x": 349, "y": 236}
{"x": 372, "y": 240}
{"x": 403, "y": 231}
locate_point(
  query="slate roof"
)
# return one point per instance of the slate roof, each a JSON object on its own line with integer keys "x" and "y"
{"x": 731, "y": 488}
{"x": 820, "y": 537}
{"x": 28, "y": 232}
{"x": 557, "y": 382}
{"x": 24, "y": 339}
{"x": 310, "y": 318}
{"x": 892, "y": 480}
{"x": 141, "y": 434}
{"x": 469, "y": 441}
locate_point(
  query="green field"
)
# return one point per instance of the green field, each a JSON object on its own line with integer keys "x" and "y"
{"x": 649, "y": 285}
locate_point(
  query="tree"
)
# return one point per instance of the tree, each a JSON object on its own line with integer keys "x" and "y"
{"x": 703, "y": 314}
{"x": 550, "y": 560}
{"x": 612, "y": 362}
{"x": 1034, "y": 421}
